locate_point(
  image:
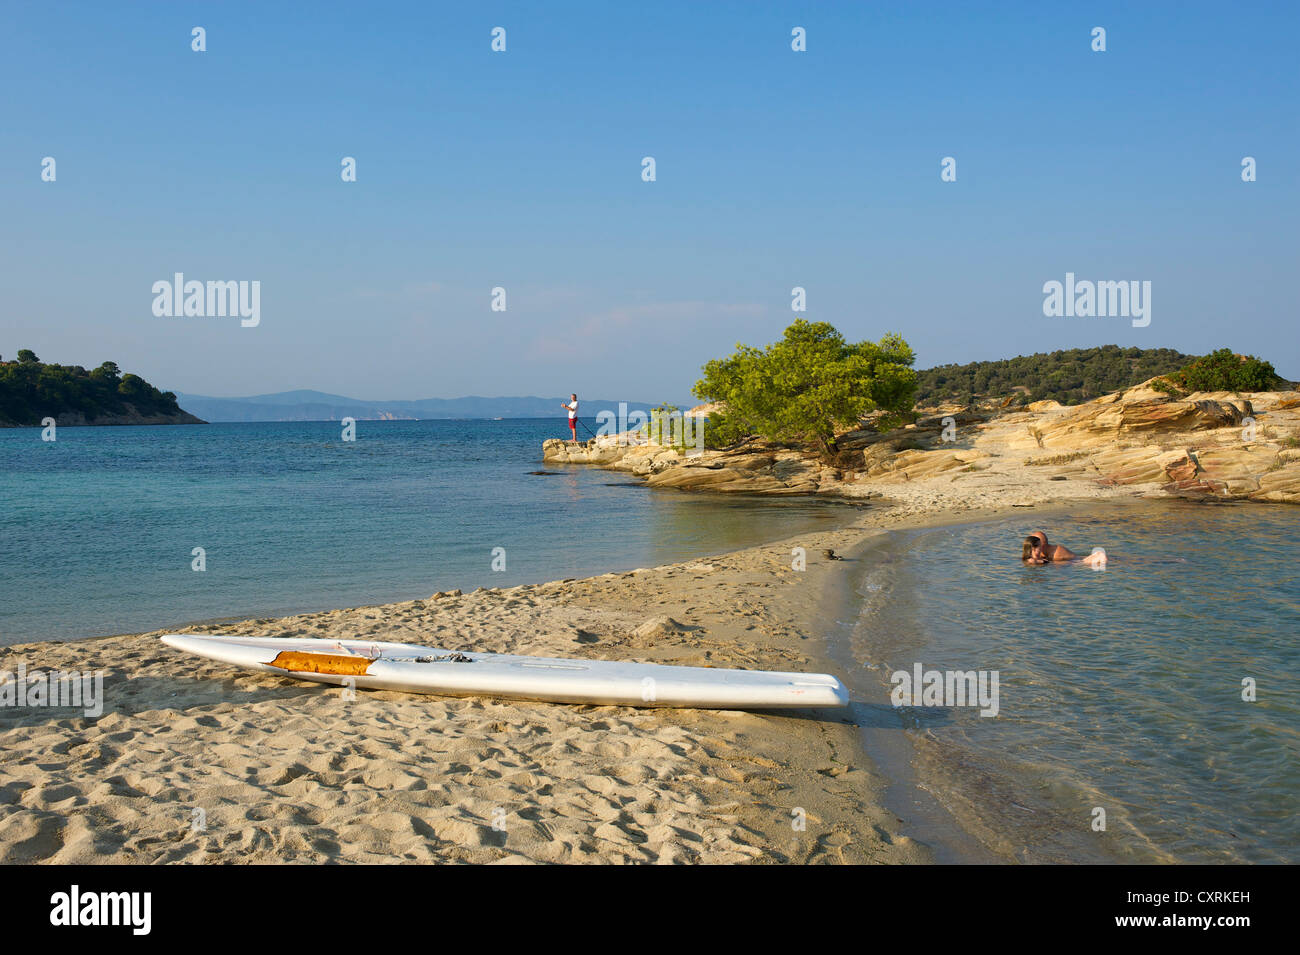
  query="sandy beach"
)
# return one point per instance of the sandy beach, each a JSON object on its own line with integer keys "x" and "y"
{"x": 193, "y": 761}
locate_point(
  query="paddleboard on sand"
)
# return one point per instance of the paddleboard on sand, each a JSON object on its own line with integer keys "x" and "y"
{"x": 413, "y": 669}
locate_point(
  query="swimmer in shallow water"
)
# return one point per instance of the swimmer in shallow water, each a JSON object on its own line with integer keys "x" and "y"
{"x": 1037, "y": 550}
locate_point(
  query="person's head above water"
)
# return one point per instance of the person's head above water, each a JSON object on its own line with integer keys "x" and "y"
{"x": 1035, "y": 548}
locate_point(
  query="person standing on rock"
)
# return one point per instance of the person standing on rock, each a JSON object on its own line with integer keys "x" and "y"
{"x": 572, "y": 407}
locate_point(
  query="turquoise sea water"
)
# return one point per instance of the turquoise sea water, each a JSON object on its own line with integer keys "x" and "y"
{"x": 97, "y": 529}
{"x": 1119, "y": 689}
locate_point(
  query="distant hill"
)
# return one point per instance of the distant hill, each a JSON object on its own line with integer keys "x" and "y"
{"x": 31, "y": 391}
{"x": 319, "y": 406}
{"x": 1070, "y": 377}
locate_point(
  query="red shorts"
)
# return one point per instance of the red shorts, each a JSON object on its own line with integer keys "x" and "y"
{"x": 573, "y": 425}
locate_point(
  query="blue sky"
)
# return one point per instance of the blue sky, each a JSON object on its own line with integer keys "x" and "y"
{"x": 522, "y": 169}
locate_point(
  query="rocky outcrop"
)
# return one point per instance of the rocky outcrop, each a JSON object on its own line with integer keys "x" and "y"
{"x": 77, "y": 419}
{"x": 795, "y": 475}
{"x": 1236, "y": 446}
{"x": 592, "y": 451}
{"x": 1139, "y": 413}
{"x": 755, "y": 469}
{"x": 1231, "y": 446}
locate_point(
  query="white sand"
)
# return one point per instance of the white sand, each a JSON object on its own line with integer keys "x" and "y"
{"x": 281, "y": 770}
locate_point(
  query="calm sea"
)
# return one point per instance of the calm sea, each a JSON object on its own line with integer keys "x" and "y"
{"x": 98, "y": 529}
{"x": 1121, "y": 691}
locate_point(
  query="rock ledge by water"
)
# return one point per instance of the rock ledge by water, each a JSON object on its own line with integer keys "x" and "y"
{"x": 1218, "y": 445}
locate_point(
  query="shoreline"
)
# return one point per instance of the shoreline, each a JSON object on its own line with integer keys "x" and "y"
{"x": 966, "y": 801}
{"x": 927, "y": 814}
{"x": 732, "y": 778}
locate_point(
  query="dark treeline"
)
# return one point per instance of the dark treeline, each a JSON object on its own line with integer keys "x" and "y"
{"x": 1070, "y": 377}
{"x": 31, "y": 390}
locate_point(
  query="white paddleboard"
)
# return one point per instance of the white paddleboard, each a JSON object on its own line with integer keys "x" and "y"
{"x": 414, "y": 669}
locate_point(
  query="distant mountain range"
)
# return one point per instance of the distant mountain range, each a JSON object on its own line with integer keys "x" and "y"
{"x": 319, "y": 406}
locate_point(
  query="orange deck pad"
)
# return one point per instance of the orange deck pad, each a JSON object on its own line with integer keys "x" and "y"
{"x": 295, "y": 661}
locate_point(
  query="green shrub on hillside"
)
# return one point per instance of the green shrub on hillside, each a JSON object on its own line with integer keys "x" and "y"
{"x": 1070, "y": 377}
{"x": 1223, "y": 370}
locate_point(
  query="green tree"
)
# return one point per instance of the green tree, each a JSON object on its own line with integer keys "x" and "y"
{"x": 132, "y": 386}
{"x": 1222, "y": 370}
{"x": 27, "y": 356}
{"x": 806, "y": 386}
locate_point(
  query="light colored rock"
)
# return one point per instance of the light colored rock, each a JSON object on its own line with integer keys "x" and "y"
{"x": 558, "y": 451}
{"x": 1150, "y": 464}
{"x": 1240, "y": 446}
{"x": 703, "y": 411}
{"x": 912, "y": 464}
{"x": 1238, "y": 468}
{"x": 1280, "y": 486}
